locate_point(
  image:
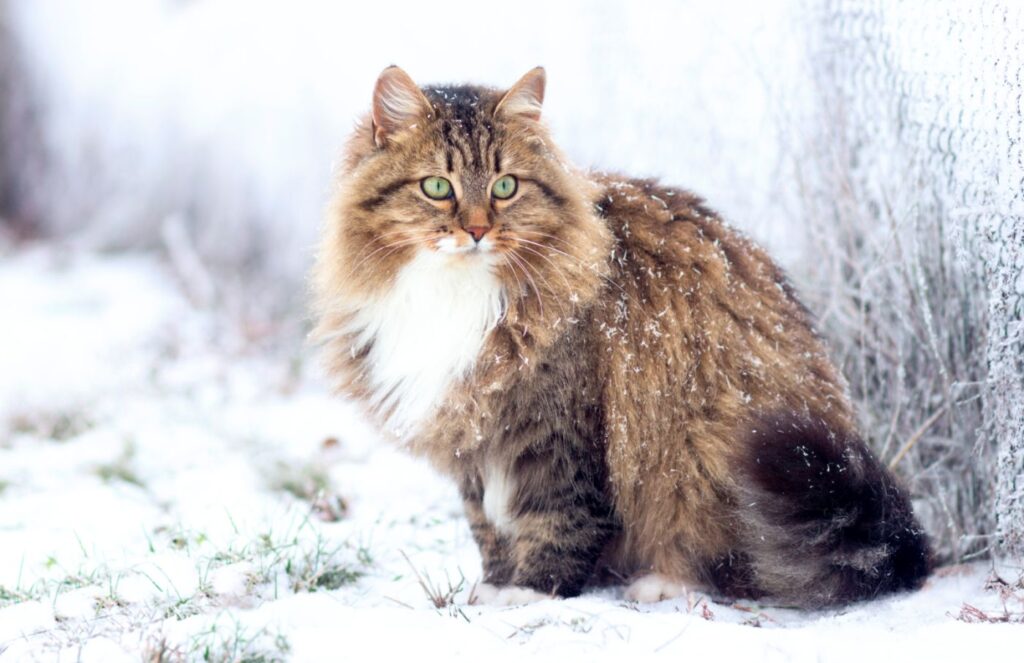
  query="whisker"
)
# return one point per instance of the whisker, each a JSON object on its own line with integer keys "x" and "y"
{"x": 551, "y": 248}
{"x": 556, "y": 238}
{"x": 554, "y": 266}
{"x": 376, "y": 237}
{"x": 536, "y": 271}
{"x": 391, "y": 248}
{"x": 519, "y": 284}
{"x": 526, "y": 273}
{"x": 606, "y": 278}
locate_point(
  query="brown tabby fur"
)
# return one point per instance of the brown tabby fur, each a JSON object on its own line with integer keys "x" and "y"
{"x": 643, "y": 343}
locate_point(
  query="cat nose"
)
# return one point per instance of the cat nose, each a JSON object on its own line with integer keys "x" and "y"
{"x": 477, "y": 232}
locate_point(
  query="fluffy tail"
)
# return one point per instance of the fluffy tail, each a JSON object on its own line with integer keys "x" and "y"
{"x": 823, "y": 522}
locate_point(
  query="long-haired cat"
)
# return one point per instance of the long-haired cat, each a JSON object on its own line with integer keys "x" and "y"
{"x": 621, "y": 385}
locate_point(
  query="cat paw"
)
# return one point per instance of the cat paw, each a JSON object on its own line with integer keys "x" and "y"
{"x": 654, "y": 587}
{"x": 485, "y": 593}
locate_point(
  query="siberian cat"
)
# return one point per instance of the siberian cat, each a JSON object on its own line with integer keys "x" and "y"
{"x": 621, "y": 385}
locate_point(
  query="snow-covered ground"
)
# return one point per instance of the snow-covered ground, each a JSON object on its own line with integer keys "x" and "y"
{"x": 168, "y": 487}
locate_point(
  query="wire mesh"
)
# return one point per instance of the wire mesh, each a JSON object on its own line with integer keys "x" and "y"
{"x": 913, "y": 177}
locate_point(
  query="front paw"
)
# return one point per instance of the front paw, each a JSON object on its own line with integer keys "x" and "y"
{"x": 486, "y": 593}
{"x": 654, "y": 587}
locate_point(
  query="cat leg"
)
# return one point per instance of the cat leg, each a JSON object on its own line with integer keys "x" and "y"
{"x": 558, "y": 516}
{"x": 494, "y": 548}
{"x": 495, "y": 556}
{"x": 497, "y": 563}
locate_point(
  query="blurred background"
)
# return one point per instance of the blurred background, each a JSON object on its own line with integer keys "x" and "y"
{"x": 874, "y": 147}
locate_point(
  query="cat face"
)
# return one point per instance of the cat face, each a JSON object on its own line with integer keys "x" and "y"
{"x": 468, "y": 173}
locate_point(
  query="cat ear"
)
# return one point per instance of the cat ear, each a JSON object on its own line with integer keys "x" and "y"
{"x": 397, "y": 104}
{"x": 525, "y": 97}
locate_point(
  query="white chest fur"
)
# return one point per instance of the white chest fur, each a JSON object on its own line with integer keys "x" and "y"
{"x": 427, "y": 331}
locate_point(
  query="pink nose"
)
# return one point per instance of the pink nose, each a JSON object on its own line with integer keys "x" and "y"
{"x": 477, "y": 232}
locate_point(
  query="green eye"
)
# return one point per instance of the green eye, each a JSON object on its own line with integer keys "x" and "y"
{"x": 437, "y": 188}
{"x": 505, "y": 187}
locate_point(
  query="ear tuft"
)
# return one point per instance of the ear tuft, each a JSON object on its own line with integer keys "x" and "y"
{"x": 525, "y": 98}
{"x": 397, "y": 104}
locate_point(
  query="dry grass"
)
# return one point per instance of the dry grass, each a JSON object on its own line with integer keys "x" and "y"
{"x": 441, "y": 596}
{"x": 310, "y": 483}
{"x": 1011, "y": 595}
{"x": 898, "y": 281}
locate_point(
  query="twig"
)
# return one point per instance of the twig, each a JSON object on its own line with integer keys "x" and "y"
{"x": 673, "y": 638}
{"x": 401, "y": 603}
{"x": 916, "y": 436}
{"x": 199, "y": 286}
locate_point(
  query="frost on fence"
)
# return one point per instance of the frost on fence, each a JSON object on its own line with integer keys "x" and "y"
{"x": 912, "y": 184}
{"x": 1005, "y": 405}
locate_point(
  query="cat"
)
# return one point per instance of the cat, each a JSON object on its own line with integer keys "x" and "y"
{"x": 620, "y": 385}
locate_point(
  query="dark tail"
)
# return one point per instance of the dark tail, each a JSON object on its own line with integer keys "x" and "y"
{"x": 823, "y": 522}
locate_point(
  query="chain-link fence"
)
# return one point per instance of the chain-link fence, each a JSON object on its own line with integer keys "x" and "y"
{"x": 912, "y": 183}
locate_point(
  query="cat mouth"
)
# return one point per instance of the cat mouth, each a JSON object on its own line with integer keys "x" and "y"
{"x": 448, "y": 246}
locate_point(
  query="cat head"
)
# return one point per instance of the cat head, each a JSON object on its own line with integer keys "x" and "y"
{"x": 469, "y": 174}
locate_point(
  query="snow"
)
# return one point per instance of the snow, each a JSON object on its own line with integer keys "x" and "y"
{"x": 162, "y": 488}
